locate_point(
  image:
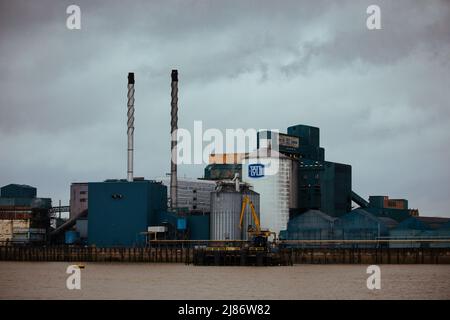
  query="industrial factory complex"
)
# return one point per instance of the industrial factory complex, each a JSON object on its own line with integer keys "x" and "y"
{"x": 307, "y": 197}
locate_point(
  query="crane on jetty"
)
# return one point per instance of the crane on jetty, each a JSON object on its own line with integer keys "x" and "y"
{"x": 259, "y": 238}
{"x": 257, "y": 251}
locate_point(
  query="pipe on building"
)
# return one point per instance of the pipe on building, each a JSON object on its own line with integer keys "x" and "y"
{"x": 173, "y": 132}
{"x": 130, "y": 124}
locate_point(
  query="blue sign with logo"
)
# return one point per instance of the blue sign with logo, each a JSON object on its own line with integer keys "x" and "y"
{"x": 256, "y": 170}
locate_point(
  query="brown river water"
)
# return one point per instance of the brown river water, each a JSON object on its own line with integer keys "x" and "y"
{"x": 47, "y": 280}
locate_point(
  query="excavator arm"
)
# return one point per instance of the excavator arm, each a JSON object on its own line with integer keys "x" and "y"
{"x": 246, "y": 200}
{"x": 259, "y": 236}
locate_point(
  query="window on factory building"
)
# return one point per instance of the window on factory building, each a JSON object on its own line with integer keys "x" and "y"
{"x": 82, "y": 192}
{"x": 82, "y": 200}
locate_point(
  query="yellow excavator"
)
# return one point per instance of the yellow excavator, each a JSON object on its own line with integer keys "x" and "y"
{"x": 258, "y": 236}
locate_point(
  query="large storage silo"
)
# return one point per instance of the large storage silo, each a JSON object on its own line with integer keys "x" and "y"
{"x": 226, "y": 205}
{"x": 275, "y": 177}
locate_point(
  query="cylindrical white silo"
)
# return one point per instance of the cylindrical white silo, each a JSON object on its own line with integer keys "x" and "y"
{"x": 274, "y": 177}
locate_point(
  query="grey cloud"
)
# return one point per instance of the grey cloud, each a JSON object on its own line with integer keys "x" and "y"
{"x": 379, "y": 97}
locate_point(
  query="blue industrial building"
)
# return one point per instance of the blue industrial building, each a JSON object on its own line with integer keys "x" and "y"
{"x": 120, "y": 212}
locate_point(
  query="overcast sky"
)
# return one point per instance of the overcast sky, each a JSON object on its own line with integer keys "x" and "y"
{"x": 380, "y": 97}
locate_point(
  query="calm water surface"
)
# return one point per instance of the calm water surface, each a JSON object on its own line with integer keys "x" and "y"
{"x": 47, "y": 280}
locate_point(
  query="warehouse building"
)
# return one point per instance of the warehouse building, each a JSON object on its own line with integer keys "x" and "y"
{"x": 411, "y": 228}
{"x": 310, "y": 225}
{"x": 362, "y": 225}
{"x": 442, "y": 232}
{"x": 355, "y": 225}
{"x": 419, "y": 228}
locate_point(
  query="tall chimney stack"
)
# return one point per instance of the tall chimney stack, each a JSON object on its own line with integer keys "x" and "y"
{"x": 130, "y": 123}
{"x": 173, "y": 132}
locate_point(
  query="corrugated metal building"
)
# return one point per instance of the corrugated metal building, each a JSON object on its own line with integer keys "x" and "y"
{"x": 434, "y": 222}
{"x": 311, "y": 225}
{"x": 193, "y": 194}
{"x": 411, "y": 228}
{"x": 419, "y": 228}
{"x": 443, "y": 232}
{"x": 362, "y": 225}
